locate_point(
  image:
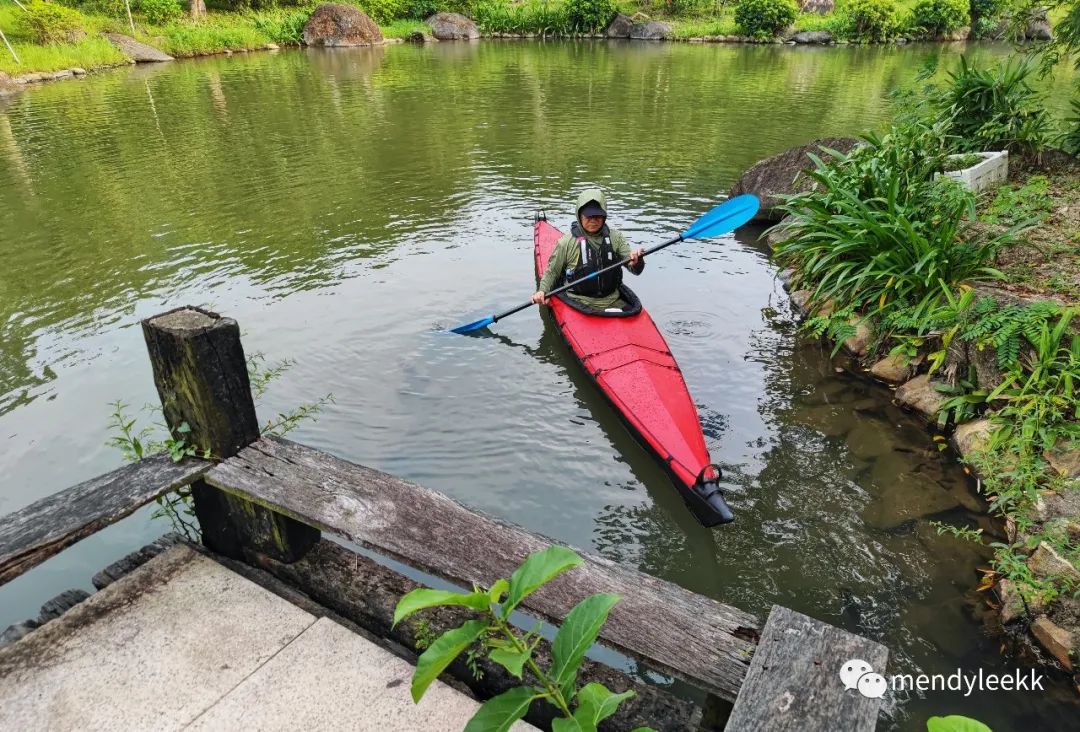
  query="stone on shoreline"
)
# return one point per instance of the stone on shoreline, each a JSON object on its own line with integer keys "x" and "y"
{"x": 859, "y": 343}
{"x": 1065, "y": 460}
{"x": 921, "y": 395}
{"x": 781, "y": 174}
{"x": 817, "y": 37}
{"x": 452, "y": 27}
{"x": 1047, "y": 563}
{"x": 819, "y": 7}
{"x": 619, "y": 27}
{"x": 1055, "y": 639}
{"x": 140, "y": 53}
{"x": 800, "y": 300}
{"x": 1038, "y": 27}
{"x": 972, "y": 437}
{"x": 333, "y": 25}
{"x": 893, "y": 369}
{"x": 421, "y": 37}
{"x": 650, "y": 31}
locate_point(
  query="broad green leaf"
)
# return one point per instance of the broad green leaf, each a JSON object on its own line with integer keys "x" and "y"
{"x": 510, "y": 659}
{"x": 500, "y": 712}
{"x": 423, "y": 597}
{"x": 441, "y": 654}
{"x": 577, "y": 634}
{"x": 537, "y": 569}
{"x": 596, "y": 703}
{"x": 498, "y": 590}
{"x": 562, "y": 724}
{"x": 955, "y": 723}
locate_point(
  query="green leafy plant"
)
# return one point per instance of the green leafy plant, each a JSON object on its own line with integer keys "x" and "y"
{"x": 962, "y": 161}
{"x": 960, "y": 532}
{"x": 46, "y": 22}
{"x": 765, "y": 18}
{"x": 869, "y": 20}
{"x": 161, "y": 12}
{"x": 995, "y": 108}
{"x": 1028, "y": 203}
{"x": 492, "y": 636}
{"x": 955, "y": 723}
{"x": 585, "y": 16}
{"x": 939, "y": 17}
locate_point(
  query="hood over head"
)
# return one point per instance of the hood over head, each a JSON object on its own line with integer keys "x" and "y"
{"x": 590, "y": 194}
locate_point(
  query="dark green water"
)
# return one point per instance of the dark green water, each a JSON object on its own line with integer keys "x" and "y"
{"x": 346, "y": 206}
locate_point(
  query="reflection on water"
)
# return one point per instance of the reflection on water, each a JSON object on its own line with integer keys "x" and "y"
{"x": 346, "y": 206}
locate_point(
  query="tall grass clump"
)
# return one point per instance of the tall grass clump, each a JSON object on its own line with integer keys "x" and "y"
{"x": 532, "y": 16}
{"x": 877, "y": 231}
{"x": 995, "y": 108}
{"x": 284, "y": 27}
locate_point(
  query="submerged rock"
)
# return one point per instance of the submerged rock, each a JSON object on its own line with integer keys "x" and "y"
{"x": 619, "y": 27}
{"x": 137, "y": 52}
{"x": 650, "y": 31}
{"x": 782, "y": 174}
{"x": 335, "y": 25}
{"x": 452, "y": 27}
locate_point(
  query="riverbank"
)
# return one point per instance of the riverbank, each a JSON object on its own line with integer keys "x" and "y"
{"x": 48, "y": 38}
{"x": 991, "y": 366}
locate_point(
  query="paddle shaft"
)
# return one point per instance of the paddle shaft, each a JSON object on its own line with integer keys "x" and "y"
{"x": 597, "y": 273}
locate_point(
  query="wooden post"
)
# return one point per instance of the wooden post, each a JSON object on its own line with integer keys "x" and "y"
{"x": 202, "y": 380}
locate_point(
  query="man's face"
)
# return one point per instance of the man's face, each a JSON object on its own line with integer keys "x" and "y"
{"x": 592, "y": 224}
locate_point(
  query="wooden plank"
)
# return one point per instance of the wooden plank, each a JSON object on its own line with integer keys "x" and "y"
{"x": 671, "y": 629}
{"x": 364, "y": 592}
{"x": 33, "y": 534}
{"x": 794, "y": 681}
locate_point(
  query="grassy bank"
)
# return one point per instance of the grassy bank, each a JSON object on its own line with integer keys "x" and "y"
{"x": 69, "y": 37}
{"x": 979, "y": 294}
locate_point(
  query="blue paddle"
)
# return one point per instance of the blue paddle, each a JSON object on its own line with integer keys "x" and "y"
{"x": 728, "y": 216}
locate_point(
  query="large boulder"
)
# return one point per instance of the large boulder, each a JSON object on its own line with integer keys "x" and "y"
{"x": 1038, "y": 26}
{"x": 341, "y": 25}
{"x": 138, "y": 52}
{"x": 820, "y": 7}
{"x": 652, "y": 30}
{"x": 452, "y": 27}
{"x": 780, "y": 174}
{"x": 619, "y": 27}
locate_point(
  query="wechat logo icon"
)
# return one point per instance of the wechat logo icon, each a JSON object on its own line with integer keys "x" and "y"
{"x": 858, "y": 674}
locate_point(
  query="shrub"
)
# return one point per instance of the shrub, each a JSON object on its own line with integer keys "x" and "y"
{"x": 1070, "y": 141}
{"x": 50, "y": 23}
{"x": 589, "y": 15}
{"x": 995, "y": 108}
{"x": 161, "y": 12}
{"x": 939, "y": 17}
{"x": 421, "y": 8}
{"x": 384, "y": 11}
{"x": 878, "y": 232}
{"x": 869, "y": 20}
{"x": 765, "y": 18}
{"x": 985, "y": 16}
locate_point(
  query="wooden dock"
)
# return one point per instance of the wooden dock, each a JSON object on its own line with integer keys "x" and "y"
{"x": 263, "y": 504}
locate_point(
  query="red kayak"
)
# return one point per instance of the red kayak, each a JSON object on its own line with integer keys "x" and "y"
{"x": 624, "y": 353}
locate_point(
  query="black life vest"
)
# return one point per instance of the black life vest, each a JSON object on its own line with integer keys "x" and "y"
{"x": 590, "y": 260}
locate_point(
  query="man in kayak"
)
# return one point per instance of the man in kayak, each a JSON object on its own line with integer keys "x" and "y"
{"x": 590, "y": 245}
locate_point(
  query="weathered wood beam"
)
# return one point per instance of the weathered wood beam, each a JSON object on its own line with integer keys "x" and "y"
{"x": 366, "y": 593}
{"x": 794, "y": 680}
{"x": 670, "y": 629}
{"x": 33, "y": 534}
{"x": 202, "y": 380}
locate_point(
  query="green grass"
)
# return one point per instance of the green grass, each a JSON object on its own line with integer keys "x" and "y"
{"x": 216, "y": 34}
{"x": 89, "y": 53}
{"x": 403, "y": 28}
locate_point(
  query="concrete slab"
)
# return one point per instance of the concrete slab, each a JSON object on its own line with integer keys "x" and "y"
{"x": 185, "y": 643}
{"x": 329, "y": 678}
{"x": 152, "y": 651}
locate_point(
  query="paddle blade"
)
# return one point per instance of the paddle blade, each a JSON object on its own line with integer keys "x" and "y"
{"x": 475, "y": 325}
{"x": 728, "y": 216}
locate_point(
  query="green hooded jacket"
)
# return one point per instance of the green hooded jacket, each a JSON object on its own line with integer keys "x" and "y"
{"x": 566, "y": 254}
